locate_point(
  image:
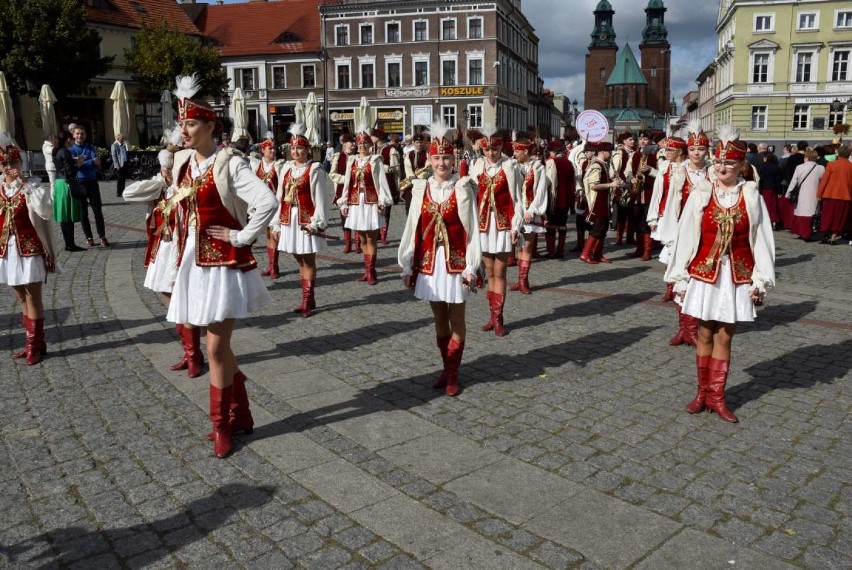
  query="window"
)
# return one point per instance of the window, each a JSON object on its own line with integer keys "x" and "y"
{"x": 342, "y": 76}
{"x": 279, "y": 77}
{"x": 421, "y": 73}
{"x": 309, "y": 78}
{"x": 803, "y": 67}
{"x": 653, "y": 72}
{"x": 764, "y": 23}
{"x": 394, "y": 74}
{"x": 341, "y": 35}
{"x": 448, "y": 72}
{"x": 760, "y": 68}
{"x": 801, "y": 115}
{"x": 844, "y": 19}
{"x": 807, "y": 21}
{"x": 368, "y": 75}
{"x": 448, "y": 29}
{"x": 474, "y": 28}
{"x": 366, "y": 31}
{"x": 758, "y": 118}
{"x": 421, "y": 30}
{"x": 474, "y": 72}
{"x": 448, "y": 114}
{"x": 840, "y": 66}
{"x": 392, "y": 33}
{"x": 602, "y": 73}
{"x": 245, "y": 79}
{"x": 474, "y": 120}
{"x": 835, "y": 117}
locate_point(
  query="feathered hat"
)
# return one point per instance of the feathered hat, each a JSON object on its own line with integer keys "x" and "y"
{"x": 187, "y": 87}
{"x": 489, "y": 137}
{"x": 268, "y": 141}
{"x": 522, "y": 142}
{"x": 675, "y": 140}
{"x": 10, "y": 152}
{"x": 441, "y": 142}
{"x": 297, "y": 136}
{"x": 173, "y": 139}
{"x": 362, "y": 133}
{"x": 728, "y": 146}
{"x": 697, "y": 136}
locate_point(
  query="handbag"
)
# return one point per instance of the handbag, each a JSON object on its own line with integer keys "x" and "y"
{"x": 794, "y": 193}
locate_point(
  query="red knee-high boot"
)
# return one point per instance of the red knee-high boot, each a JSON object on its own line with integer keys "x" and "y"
{"x": 357, "y": 243}
{"x": 512, "y": 261}
{"x": 366, "y": 268}
{"x": 239, "y": 414}
{"x": 598, "y": 255}
{"x": 455, "y": 350}
{"x": 183, "y": 363}
{"x": 647, "y": 247}
{"x": 443, "y": 343}
{"x": 273, "y": 264}
{"x": 193, "y": 359}
{"x": 690, "y": 333}
{"x": 588, "y": 255}
{"x": 717, "y": 379}
{"x": 669, "y": 294}
{"x": 677, "y": 339}
{"x": 25, "y": 320}
{"x": 497, "y": 302}
{"x": 220, "y": 411}
{"x": 640, "y": 247}
{"x": 347, "y": 241}
{"x": 697, "y": 404}
{"x": 372, "y": 277}
{"x": 523, "y": 277}
{"x": 36, "y": 343}
{"x": 308, "y": 302}
{"x": 490, "y": 324}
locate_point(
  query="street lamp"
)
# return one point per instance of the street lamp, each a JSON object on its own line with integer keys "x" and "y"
{"x": 323, "y": 57}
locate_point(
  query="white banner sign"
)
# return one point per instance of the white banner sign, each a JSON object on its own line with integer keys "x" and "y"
{"x": 421, "y": 115}
{"x": 592, "y": 125}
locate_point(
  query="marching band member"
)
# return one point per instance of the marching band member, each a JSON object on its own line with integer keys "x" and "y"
{"x": 440, "y": 252}
{"x": 644, "y": 167}
{"x": 722, "y": 263}
{"x": 597, "y": 185}
{"x": 266, "y": 168}
{"x": 622, "y": 161}
{"x": 676, "y": 150}
{"x": 337, "y": 174}
{"x": 580, "y": 157}
{"x": 534, "y": 201}
{"x": 391, "y": 161}
{"x": 415, "y": 166}
{"x": 500, "y": 216}
{"x": 302, "y": 213}
{"x": 560, "y": 172}
{"x": 27, "y": 251}
{"x": 365, "y": 196}
{"x": 217, "y": 280}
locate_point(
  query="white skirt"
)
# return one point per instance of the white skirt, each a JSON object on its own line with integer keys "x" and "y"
{"x": 162, "y": 271}
{"x": 441, "y": 285}
{"x": 496, "y": 241}
{"x": 204, "y": 295}
{"x": 16, "y": 270}
{"x": 364, "y": 217}
{"x": 723, "y": 301}
{"x": 665, "y": 254}
{"x": 294, "y": 240}
{"x": 535, "y": 229}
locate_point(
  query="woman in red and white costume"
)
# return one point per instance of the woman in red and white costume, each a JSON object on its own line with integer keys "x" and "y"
{"x": 27, "y": 251}
{"x": 671, "y": 170}
{"x": 534, "y": 202}
{"x": 217, "y": 280}
{"x": 302, "y": 198}
{"x": 365, "y": 196}
{"x": 500, "y": 215}
{"x": 266, "y": 168}
{"x": 440, "y": 254}
{"x": 722, "y": 263}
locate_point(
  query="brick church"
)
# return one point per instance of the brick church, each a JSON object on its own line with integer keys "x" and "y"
{"x": 630, "y": 93}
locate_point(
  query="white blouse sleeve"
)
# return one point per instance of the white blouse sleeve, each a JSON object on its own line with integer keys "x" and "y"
{"x": 654, "y": 204}
{"x": 381, "y": 182}
{"x": 763, "y": 250}
{"x": 514, "y": 179}
{"x": 685, "y": 244}
{"x": 473, "y": 255}
{"x": 344, "y": 194}
{"x": 538, "y": 206}
{"x": 254, "y": 192}
{"x": 405, "y": 255}
{"x": 319, "y": 194}
{"x": 38, "y": 200}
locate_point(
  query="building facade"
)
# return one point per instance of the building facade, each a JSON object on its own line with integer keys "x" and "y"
{"x": 783, "y": 70}
{"x": 706, "y": 83}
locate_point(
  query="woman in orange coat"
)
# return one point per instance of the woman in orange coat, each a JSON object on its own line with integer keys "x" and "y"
{"x": 835, "y": 191}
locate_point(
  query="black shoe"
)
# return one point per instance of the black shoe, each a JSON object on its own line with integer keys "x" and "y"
{"x": 74, "y": 247}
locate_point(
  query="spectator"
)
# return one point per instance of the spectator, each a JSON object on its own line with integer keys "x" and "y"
{"x": 820, "y": 150}
{"x": 807, "y": 177}
{"x": 87, "y": 162}
{"x": 784, "y": 155}
{"x": 770, "y": 184}
{"x": 329, "y": 153}
{"x": 835, "y": 191}
{"x": 66, "y": 208}
{"x": 752, "y": 155}
{"x": 785, "y": 208}
{"x": 118, "y": 153}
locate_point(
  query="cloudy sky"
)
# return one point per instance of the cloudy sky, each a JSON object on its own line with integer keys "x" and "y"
{"x": 564, "y": 29}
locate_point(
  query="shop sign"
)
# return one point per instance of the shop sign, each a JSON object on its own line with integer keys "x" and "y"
{"x": 390, "y": 115}
{"x": 462, "y": 91}
{"x": 342, "y": 116}
{"x": 395, "y": 93}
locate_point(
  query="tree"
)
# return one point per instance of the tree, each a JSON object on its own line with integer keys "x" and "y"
{"x": 160, "y": 53}
{"x": 48, "y": 41}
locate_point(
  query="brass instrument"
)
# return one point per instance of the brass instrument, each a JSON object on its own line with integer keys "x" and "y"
{"x": 637, "y": 184}
{"x": 421, "y": 173}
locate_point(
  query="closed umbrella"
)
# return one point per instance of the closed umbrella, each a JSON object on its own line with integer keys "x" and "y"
{"x": 239, "y": 114}
{"x": 312, "y": 119}
{"x": 120, "y": 109}
{"x": 7, "y": 121}
{"x": 299, "y": 111}
{"x": 362, "y": 116}
{"x": 167, "y": 114}
{"x": 46, "y": 100}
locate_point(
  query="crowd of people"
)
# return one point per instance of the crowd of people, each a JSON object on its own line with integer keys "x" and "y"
{"x": 475, "y": 205}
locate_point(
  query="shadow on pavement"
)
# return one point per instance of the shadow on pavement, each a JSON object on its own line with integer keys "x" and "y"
{"x": 787, "y": 261}
{"x": 597, "y": 307}
{"x": 802, "y": 368}
{"x": 78, "y": 543}
{"x": 775, "y": 315}
{"x": 614, "y": 274}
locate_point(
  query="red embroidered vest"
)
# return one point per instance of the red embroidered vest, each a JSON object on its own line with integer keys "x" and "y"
{"x": 684, "y": 193}
{"x": 667, "y": 184}
{"x": 564, "y": 190}
{"x": 209, "y": 210}
{"x": 440, "y": 224}
{"x": 464, "y": 167}
{"x": 724, "y": 231}
{"x": 494, "y": 195}
{"x": 600, "y": 209}
{"x": 297, "y": 191}
{"x": 417, "y": 159}
{"x": 529, "y": 187}
{"x": 269, "y": 178}
{"x": 161, "y": 226}
{"x": 15, "y": 221}
{"x": 362, "y": 178}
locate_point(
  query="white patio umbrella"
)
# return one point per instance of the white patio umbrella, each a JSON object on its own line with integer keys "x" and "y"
{"x": 312, "y": 119}
{"x": 167, "y": 113}
{"x": 363, "y": 114}
{"x": 299, "y": 111}
{"x": 120, "y": 109}
{"x": 239, "y": 114}
{"x": 46, "y": 100}
{"x": 7, "y": 117}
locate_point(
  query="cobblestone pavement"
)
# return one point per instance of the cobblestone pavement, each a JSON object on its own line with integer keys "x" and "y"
{"x": 568, "y": 447}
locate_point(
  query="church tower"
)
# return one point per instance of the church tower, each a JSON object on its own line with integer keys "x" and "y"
{"x": 656, "y": 57}
{"x": 600, "y": 61}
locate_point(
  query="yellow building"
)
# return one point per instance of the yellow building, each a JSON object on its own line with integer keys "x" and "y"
{"x": 783, "y": 70}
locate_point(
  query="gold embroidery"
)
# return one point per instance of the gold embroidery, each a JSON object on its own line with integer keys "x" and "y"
{"x": 725, "y": 220}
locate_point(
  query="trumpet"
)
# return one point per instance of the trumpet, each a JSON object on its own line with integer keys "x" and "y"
{"x": 421, "y": 173}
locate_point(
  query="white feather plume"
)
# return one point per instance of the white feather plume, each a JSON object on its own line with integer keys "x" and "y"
{"x": 296, "y": 129}
{"x": 726, "y": 134}
{"x": 438, "y": 130}
{"x": 693, "y": 127}
{"x": 165, "y": 158}
{"x": 269, "y": 135}
{"x": 187, "y": 86}
{"x": 362, "y": 127}
{"x": 174, "y": 136}
{"x": 6, "y": 140}
{"x": 488, "y": 129}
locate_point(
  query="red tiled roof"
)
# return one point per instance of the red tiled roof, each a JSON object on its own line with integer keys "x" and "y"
{"x": 135, "y": 13}
{"x": 252, "y": 28}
